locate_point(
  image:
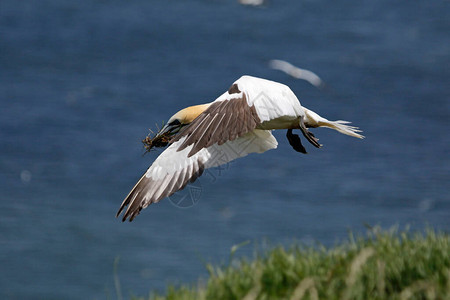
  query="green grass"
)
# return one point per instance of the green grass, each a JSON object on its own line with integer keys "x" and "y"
{"x": 381, "y": 265}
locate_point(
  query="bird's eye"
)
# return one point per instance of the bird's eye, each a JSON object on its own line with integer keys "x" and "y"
{"x": 175, "y": 122}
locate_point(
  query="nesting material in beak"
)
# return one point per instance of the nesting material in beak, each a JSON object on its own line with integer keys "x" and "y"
{"x": 158, "y": 140}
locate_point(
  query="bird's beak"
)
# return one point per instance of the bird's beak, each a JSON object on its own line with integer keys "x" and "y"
{"x": 168, "y": 129}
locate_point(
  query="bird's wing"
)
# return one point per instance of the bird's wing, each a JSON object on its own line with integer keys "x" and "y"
{"x": 248, "y": 103}
{"x": 173, "y": 169}
{"x": 296, "y": 72}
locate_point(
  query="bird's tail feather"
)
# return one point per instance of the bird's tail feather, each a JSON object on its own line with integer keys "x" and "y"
{"x": 342, "y": 127}
{"x": 314, "y": 120}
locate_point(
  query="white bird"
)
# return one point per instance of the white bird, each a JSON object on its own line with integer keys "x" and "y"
{"x": 296, "y": 72}
{"x": 252, "y": 2}
{"x": 237, "y": 123}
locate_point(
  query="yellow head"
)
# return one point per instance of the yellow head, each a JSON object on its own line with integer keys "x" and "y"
{"x": 182, "y": 118}
{"x": 188, "y": 114}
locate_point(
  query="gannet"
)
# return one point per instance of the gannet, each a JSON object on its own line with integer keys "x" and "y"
{"x": 237, "y": 123}
{"x": 297, "y": 72}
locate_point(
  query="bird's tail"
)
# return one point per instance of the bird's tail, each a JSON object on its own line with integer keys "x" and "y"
{"x": 314, "y": 120}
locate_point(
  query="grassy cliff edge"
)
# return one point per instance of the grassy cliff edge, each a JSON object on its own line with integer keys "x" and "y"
{"x": 382, "y": 265}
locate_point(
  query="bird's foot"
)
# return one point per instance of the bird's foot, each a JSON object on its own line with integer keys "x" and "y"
{"x": 295, "y": 142}
{"x": 309, "y": 135}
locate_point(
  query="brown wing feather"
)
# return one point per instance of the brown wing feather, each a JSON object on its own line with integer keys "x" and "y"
{"x": 222, "y": 121}
{"x": 148, "y": 190}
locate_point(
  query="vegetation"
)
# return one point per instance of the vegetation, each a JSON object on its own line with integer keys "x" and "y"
{"x": 382, "y": 265}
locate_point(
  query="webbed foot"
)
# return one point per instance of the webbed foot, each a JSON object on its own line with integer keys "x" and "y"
{"x": 309, "y": 135}
{"x": 295, "y": 142}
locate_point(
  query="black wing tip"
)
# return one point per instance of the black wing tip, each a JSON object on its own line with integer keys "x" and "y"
{"x": 128, "y": 213}
{"x": 126, "y": 216}
{"x": 132, "y": 215}
{"x": 120, "y": 210}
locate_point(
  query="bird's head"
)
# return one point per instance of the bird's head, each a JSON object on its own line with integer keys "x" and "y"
{"x": 182, "y": 118}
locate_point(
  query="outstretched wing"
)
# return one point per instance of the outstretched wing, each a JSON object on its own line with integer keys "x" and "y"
{"x": 247, "y": 104}
{"x": 174, "y": 169}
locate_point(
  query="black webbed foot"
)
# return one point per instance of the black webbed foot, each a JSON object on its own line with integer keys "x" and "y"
{"x": 295, "y": 142}
{"x": 309, "y": 135}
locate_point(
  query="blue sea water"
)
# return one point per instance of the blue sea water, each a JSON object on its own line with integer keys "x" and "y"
{"x": 81, "y": 82}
